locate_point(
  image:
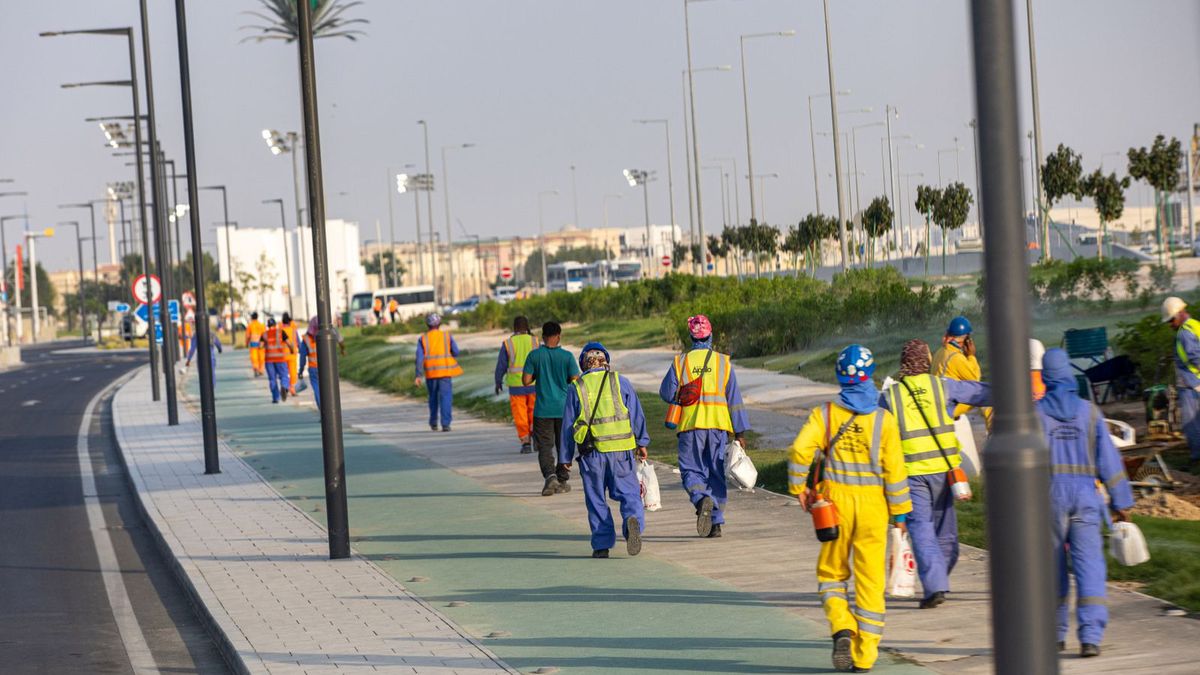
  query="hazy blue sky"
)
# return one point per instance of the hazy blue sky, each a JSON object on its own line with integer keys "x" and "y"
{"x": 540, "y": 85}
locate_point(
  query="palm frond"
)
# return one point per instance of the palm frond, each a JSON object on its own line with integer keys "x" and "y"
{"x": 281, "y": 20}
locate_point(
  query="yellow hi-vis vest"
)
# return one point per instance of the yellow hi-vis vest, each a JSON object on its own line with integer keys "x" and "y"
{"x": 611, "y": 426}
{"x": 712, "y": 411}
{"x": 918, "y": 441}
{"x": 1192, "y": 326}
{"x": 518, "y": 348}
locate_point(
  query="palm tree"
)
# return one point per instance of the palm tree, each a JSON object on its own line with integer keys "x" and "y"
{"x": 282, "y": 22}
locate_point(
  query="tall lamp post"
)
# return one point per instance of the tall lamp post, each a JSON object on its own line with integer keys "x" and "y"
{"x": 287, "y": 265}
{"x": 746, "y": 109}
{"x": 433, "y": 247}
{"x": 228, "y": 261}
{"x": 670, "y": 173}
{"x": 79, "y": 289}
{"x": 687, "y": 156}
{"x": 31, "y": 241}
{"x": 127, "y": 33}
{"x": 289, "y": 142}
{"x": 91, "y": 207}
{"x": 687, "y": 32}
{"x": 604, "y": 202}
{"x": 812, "y": 143}
{"x": 337, "y": 523}
{"x": 642, "y": 178}
{"x": 449, "y": 230}
{"x": 542, "y": 233}
{"x": 837, "y": 150}
{"x": 8, "y": 336}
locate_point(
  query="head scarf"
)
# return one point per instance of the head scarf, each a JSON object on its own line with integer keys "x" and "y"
{"x": 699, "y": 327}
{"x": 593, "y": 355}
{"x": 313, "y": 326}
{"x": 855, "y": 365}
{"x": 1062, "y": 390}
{"x": 915, "y": 358}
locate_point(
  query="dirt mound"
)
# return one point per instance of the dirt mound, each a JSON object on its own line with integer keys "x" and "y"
{"x": 1167, "y": 505}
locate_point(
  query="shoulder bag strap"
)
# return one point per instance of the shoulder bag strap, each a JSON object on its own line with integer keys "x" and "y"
{"x": 596, "y": 405}
{"x": 925, "y": 419}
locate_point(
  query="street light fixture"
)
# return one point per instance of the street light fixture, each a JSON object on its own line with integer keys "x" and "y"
{"x": 642, "y": 178}
{"x": 746, "y": 108}
{"x": 670, "y": 173}
{"x": 289, "y": 142}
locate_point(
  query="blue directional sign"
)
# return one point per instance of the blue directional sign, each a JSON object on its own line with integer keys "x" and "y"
{"x": 121, "y": 307}
{"x": 172, "y": 309}
{"x": 158, "y": 332}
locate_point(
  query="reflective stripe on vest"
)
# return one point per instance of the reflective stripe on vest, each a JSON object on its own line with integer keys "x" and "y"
{"x": 439, "y": 361}
{"x": 518, "y": 348}
{"x": 919, "y": 443}
{"x": 611, "y": 426}
{"x": 712, "y": 410}
{"x": 1089, "y": 468}
{"x": 1192, "y": 326}
{"x": 312, "y": 352}
{"x": 862, "y": 474}
{"x": 276, "y": 348}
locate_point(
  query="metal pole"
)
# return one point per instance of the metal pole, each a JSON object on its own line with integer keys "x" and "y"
{"x": 159, "y": 228}
{"x": 1016, "y": 460}
{"x": 31, "y": 241}
{"x": 837, "y": 160}
{"x": 232, "y": 271}
{"x": 379, "y": 255}
{"x": 174, "y": 204}
{"x": 449, "y": 229}
{"x": 687, "y": 31}
{"x": 687, "y": 156}
{"x": 670, "y": 182}
{"x": 433, "y": 249}
{"x": 891, "y": 176}
{"x": 574, "y": 193}
{"x": 391, "y": 227}
{"x": 295, "y": 138}
{"x": 337, "y": 522}
{"x": 287, "y": 259}
{"x": 542, "y": 243}
{"x": 1191, "y": 187}
{"x": 812, "y": 144}
{"x": 141, "y": 194}
{"x": 95, "y": 267}
{"x": 978, "y": 192}
{"x": 1042, "y": 215}
{"x": 8, "y": 309}
{"x": 646, "y": 206}
{"x": 417, "y": 216}
{"x": 746, "y": 113}
{"x": 208, "y": 413}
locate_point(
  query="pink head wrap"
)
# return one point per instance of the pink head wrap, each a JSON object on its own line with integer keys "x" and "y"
{"x": 699, "y": 327}
{"x": 313, "y": 326}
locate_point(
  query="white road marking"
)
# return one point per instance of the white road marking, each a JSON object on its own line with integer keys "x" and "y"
{"x": 136, "y": 648}
{"x": 30, "y": 403}
{"x": 76, "y": 379}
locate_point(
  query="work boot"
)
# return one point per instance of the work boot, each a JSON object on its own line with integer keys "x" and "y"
{"x": 284, "y": 394}
{"x": 704, "y": 523}
{"x": 550, "y": 487}
{"x": 933, "y": 600}
{"x": 842, "y": 661}
{"x": 446, "y": 430}
{"x": 433, "y": 427}
{"x": 600, "y": 553}
{"x": 858, "y": 669}
{"x": 275, "y": 400}
{"x": 1062, "y": 646}
{"x": 563, "y": 487}
{"x": 526, "y": 449}
{"x": 716, "y": 531}
{"x": 633, "y": 536}
{"x": 1088, "y": 650}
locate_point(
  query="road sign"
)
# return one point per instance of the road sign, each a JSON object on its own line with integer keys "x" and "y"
{"x": 144, "y": 295}
{"x": 118, "y": 306}
{"x": 506, "y": 273}
{"x": 158, "y": 333}
{"x": 666, "y": 261}
{"x": 143, "y": 311}
{"x": 189, "y": 300}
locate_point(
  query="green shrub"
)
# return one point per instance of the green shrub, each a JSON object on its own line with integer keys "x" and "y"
{"x": 1150, "y": 344}
{"x": 1059, "y": 283}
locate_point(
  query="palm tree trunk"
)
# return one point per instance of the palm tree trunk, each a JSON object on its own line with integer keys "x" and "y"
{"x": 943, "y": 250}
{"x": 926, "y": 246}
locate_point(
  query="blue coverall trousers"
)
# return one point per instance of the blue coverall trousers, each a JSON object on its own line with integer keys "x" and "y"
{"x": 279, "y": 378}
{"x": 313, "y": 382}
{"x": 441, "y": 395}
{"x": 1078, "y": 511}
{"x": 616, "y": 474}
{"x": 1189, "y": 415}
{"x": 933, "y": 526}
{"x": 702, "y": 467}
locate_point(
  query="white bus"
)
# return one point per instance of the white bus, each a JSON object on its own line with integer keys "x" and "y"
{"x": 413, "y": 301}
{"x": 571, "y": 277}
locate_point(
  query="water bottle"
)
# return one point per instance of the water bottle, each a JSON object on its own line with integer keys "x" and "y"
{"x": 825, "y": 521}
{"x": 959, "y": 485}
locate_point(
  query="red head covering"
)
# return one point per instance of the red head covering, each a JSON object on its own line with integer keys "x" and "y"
{"x": 699, "y": 327}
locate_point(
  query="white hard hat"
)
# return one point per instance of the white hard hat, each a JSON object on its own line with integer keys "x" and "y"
{"x": 1172, "y": 306}
{"x": 1036, "y": 351}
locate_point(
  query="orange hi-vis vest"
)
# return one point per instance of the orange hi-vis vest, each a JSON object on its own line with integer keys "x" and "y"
{"x": 393, "y": 306}
{"x": 377, "y": 305}
{"x": 254, "y": 333}
{"x": 277, "y": 349}
{"x": 439, "y": 362}
{"x": 312, "y": 351}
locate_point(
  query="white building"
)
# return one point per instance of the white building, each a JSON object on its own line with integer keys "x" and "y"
{"x": 662, "y": 238}
{"x": 275, "y": 282}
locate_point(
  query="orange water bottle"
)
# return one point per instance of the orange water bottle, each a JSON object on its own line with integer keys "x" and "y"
{"x": 674, "y": 415}
{"x": 825, "y": 520}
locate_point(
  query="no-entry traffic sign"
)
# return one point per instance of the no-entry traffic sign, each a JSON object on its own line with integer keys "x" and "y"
{"x": 506, "y": 273}
{"x": 144, "y": 295}
{"x": 666, "y": 261}
{"x": 189, "y": 300}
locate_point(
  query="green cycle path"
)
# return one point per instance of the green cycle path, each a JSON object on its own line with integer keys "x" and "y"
{"x": 502, "y": 566}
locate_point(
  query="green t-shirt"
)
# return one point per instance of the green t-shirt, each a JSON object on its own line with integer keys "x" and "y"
{"x": 551, "y": 368}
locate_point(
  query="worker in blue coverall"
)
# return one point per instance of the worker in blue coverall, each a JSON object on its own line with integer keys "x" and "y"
{"x": 437, "y": 364}
{"x": 308, "y": 355}
{"x": 924, "y": 408}
{"x": 213, "y": 351}
{"x": 607, "y": 399}
{"x": 1187, "y": 371}
{"x": 706, "y": 422}
{"x": 1081, "y": 452}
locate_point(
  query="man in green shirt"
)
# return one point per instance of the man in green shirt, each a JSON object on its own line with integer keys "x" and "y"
{"x": 551, "y": 369}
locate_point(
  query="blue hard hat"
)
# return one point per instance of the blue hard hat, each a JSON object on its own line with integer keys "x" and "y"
{"x": 433, "y": 320}
{"x": 590, "y": 347}
{"x": 959, "y": 326}
{"x": 855, "y": 364}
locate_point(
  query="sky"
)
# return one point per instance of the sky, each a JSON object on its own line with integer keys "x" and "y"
{"x": 542, "y": 85}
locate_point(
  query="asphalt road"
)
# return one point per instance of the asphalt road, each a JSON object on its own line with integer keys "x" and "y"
{"x": 60, "y": 612}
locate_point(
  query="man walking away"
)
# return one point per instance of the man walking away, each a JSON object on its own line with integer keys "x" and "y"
{"x": 293, "y": 357}
{"x": 923, "y": 405}
{"x": 277, "y": 348}
{"x": 702, "y": 382}
{"x": 377, "y": 309}
{"x": 394, "y": 310}
{"x": 436, "y": 363}
{"x": 510, "y": 366}
{"x": 254, "y": 334}
{"x": 550, "y": 368}
{"x": 862, "y": 473}
{"x": 308, "y": 355}
{"x": 1081, "y": 453}
{"x": 1187, "y": 372}
{"x": 213, "y": 350}
{"x": 608, "y": 428}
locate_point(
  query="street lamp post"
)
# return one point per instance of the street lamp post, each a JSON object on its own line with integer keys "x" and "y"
{"x": 670, "y": 174}
{"x": 638, "y": 177}
{"x": 79, "y": 289}
{"x": 812, "y": 143}
{"x": 746, "y": 109}
{"x": 337, "y": 523}
{"x": 1040, "y": 209}
{"x": 289, "y": 142}
{"x": 837, "y": 160}
{"x": 978, "y": 192}
{"x": 542, "y": 234}
{"x": 228, "y": 261}
{"x": 433, "y": 248}
{"x": 687, "y": 31}
{"x": 607, "y": 250}
{"x": 91, "y": 207}
{"x": 31, "y": 241}
{"x": 8, "y": 336}
{"x": 287, "y": 265}
{"x": 449, "y": 230}
{"x": 692, "y": 172}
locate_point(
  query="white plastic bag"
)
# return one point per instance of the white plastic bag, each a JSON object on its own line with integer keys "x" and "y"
{"x": 901, "y": 565}
{"x": 648, "y": 479}
{"x": 966, "y": 447}
{"x": 739, "y": 470}
{"x": 1127, "y": 544}
{"x": 301, "y": 386}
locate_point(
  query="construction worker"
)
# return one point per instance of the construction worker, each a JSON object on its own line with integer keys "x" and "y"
{"x": 510, "y": 365}
{"x": 702, "y": 382}
{"x": 1081, "y": 452}
{"x": 436, "y": 363}
{"x": 923, "y": 404}
{"x": 293, "y": 359}
{"x": 377, "y": 308}
{"x": 214, "y": 349}
{"x": 187, "y": 334}
{"x": 254, "y": 333}
{"x": 393, "y": 310}
{"x": 608, "y": 428}
{"x": 308, "y": 355}
{"x": 1187, "y": 371}
{"x": 956, "y": 360}
{"x": 551, "y": 370}
{"x": 278, "y": 348}
{"x": 862, "y": 473}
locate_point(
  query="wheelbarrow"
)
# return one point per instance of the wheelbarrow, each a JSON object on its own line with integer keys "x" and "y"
{"x": 1148, "y": 473}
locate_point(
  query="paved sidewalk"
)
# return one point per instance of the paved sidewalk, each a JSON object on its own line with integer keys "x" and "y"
{"x": 258, "y": 565}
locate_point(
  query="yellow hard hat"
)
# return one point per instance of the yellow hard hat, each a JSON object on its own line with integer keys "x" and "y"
{"x": 1171, "y": 307}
